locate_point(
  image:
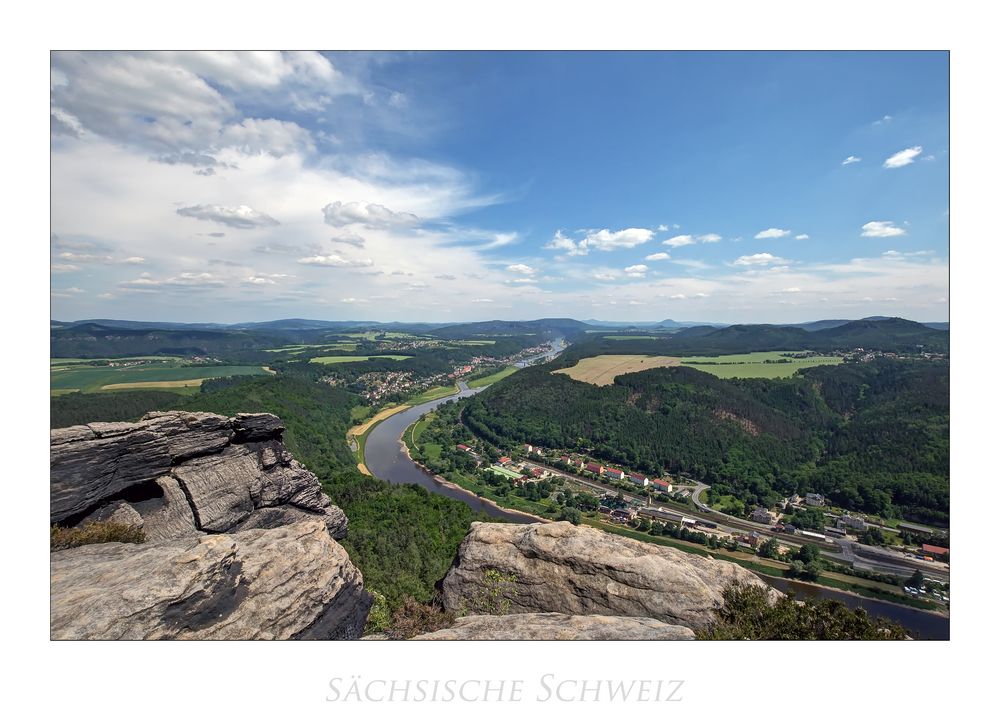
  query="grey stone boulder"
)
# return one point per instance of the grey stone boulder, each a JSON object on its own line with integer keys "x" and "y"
{"x": 580, "y": 570}
{"x": 294, "y": 581}
{"x": 557, "y": 626}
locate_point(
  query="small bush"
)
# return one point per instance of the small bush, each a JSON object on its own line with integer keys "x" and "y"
{"x": 413, "y": 618}
{"x": 747, "y": 614}
{"x": 379, "y": 617}
{"x": 63, "y": 538}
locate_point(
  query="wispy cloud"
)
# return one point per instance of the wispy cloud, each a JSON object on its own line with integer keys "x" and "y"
{"x": 801, "y": 236}
{"x": 850, "y": 160}
{"x": 335, "y": 260}
{"x": 761, "y": 258}
{"x": 772, "y": 233}
{"x": 657, "y": 256}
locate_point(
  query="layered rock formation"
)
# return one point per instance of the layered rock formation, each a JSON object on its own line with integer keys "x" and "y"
{"x": 239, "y": 536}
{"x": 185, "y": 472}
{"x": 558, "y": 626}
{"x": 562, "y": 568}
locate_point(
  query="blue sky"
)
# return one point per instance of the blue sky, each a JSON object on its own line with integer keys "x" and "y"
{"x": 729, "y": 187}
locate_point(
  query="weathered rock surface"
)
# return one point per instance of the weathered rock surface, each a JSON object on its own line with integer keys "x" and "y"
{"x": 558, "y": 626}
{"x": 562, "y": 568}
{"x": 221, "y": 469}
{"x": 294, "y": 581}
{"x": 239, "y": 536}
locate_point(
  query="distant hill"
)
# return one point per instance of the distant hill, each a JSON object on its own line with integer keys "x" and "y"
{"x": 824, "y": 324}
{"x": 545, "y": 326}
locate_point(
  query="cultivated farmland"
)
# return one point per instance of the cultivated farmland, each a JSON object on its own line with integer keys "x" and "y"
{"x": 601, "y": 370}
{"x": 329, "y": 359}
{"x": 88, "y": 378}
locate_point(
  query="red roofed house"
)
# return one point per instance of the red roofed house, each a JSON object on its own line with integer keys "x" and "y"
{"x": 663, "y": 486}
{"x": 638, "y": 479}
{"x": 614, "y": 474}
{"x": 934, "y": 551}
{"x": 462, "y": 447}
{"x": 505, "y": 459}
{"x": 595, "y": 468}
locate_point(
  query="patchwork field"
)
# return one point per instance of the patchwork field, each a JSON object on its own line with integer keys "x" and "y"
{"x": 88, "y": 378}
{"x": 601, "y": 370}
{"x": 330, "y": 359}
{"x": 769, "y": 364}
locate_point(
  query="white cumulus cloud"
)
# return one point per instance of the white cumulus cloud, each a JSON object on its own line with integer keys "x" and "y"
{"x": 657, "y": 256}
{"x": 241, "y": 217}
{"x": 903, "y": 158}
{"x": 376, "y": 216}
{"x": 881, "y": 229}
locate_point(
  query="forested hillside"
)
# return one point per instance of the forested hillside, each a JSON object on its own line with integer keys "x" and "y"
{"x": 889, "y": 334}
{"x": 874, "y": 436}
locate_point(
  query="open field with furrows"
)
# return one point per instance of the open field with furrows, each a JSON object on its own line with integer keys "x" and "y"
{"x": 165, "y": 374}
{"x": 331, "y": 359}
{"x": 769, "y": 364}
{"x": 601, "y": 370}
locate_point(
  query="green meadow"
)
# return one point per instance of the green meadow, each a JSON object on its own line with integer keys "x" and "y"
{"x": 767, "y": 364}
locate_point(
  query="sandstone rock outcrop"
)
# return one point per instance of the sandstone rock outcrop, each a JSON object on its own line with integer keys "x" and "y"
{"x": 183, "y": 472}
{"x": 294, "y": 581}
{"x": 558, "y": 626}
{"x": 239, "y": 536}
{"x": 579, "y": 570}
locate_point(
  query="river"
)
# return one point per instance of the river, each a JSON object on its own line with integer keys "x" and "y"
{"x": 922, "y": 625}
{"x": 386, "y": 459}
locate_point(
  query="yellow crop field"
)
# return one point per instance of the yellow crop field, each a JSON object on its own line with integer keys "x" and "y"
{"x": 602, "y": 369}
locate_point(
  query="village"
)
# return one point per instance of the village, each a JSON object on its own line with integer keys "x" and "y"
{"x": 674, "y": 505}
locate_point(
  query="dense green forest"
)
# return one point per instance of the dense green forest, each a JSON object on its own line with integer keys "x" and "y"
{"x": 401, "y": 537}
{"x": 873, "y": 437}
{"x": 80, "y": 408}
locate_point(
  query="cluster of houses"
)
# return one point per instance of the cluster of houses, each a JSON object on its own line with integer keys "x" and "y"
{"x": 609, "y": 472}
